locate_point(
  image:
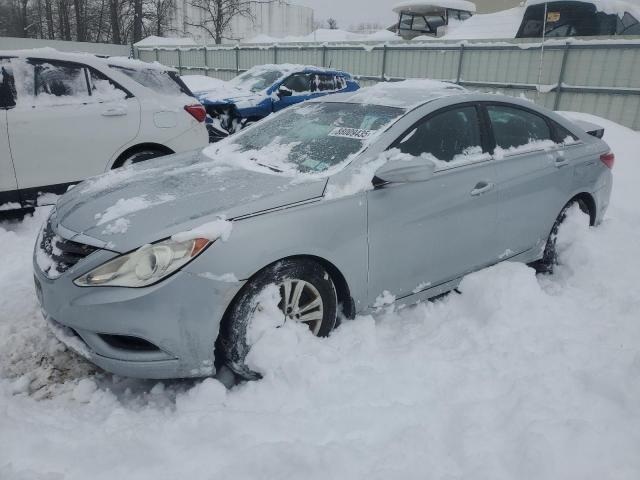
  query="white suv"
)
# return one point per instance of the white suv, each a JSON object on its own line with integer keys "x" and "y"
{"x": 66, "y": 117}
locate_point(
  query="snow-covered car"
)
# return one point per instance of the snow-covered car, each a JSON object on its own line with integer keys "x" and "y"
{"x": 345, "y": 204}
{"x": 65, "y": 117}
{"x": 265, "y": 89}
{"x": 579, "y": 18}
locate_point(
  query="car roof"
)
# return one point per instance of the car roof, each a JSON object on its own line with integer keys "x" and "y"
{"x": 405, "y": 94}
{"x": 289, "y": 68}
{"x": 86, "y": 58}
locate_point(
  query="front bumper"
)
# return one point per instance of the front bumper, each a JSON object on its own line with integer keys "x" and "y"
{"x": 173, "y": 325}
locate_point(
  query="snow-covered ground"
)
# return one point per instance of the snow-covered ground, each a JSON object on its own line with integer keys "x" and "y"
{"x": 517, "y": 377}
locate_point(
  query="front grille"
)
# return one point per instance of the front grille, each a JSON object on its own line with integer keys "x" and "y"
{"x": 62, "y": 253}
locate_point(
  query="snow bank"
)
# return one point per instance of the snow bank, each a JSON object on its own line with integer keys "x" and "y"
{"x": 325, "y": 35}
{"x": 155, "y": 41}
{"x": 520, "y": 376}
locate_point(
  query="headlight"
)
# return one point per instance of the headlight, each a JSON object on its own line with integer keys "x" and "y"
{"x": 145, "y": 266}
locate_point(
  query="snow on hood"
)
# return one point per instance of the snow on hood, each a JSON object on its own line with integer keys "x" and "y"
{"x": 202, "y": 83}
{"x": 131, "y": 206}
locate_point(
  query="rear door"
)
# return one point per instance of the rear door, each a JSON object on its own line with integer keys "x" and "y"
{"x": 68, "y": 125}
{"x": 534, "y": 175}
{"x": 422, "y": 234}
{"x": 8, "y": 184}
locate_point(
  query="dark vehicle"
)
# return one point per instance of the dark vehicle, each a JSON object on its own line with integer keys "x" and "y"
{"x": 575, "y": 19}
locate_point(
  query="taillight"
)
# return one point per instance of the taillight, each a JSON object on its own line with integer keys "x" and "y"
{"x": 608, "y": 159}
{"x": 197, "y": 111}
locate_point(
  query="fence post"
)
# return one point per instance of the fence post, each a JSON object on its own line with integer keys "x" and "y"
{"x": 205, "y": 63}
{"x": 157, "y": 54}
{"x": 459, "y": 75}
{"x": 275, "y": 54}
{"x": 384, "y": 63}
{"x": 324, "y": 56}
{"x": 179, "y": 61}
{"x": 237, "y": 59}
{"x": 565, "y": 54}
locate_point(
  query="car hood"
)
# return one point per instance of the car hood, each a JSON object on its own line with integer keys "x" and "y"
{"x": 129, "y": 207}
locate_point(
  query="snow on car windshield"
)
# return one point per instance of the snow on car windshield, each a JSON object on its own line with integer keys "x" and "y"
{"x": 317, "y": 136}
{"x": 257, "y": 79}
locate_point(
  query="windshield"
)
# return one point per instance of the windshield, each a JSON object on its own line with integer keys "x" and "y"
{"x": 163, "y": 82}
{"x": 313, "y": 137}
{"x": 256, "y": 79}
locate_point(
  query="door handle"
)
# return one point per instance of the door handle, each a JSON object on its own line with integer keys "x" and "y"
{"x": 114, "y": 112}
{"x": 559, "y": 160}
{"x": 481, "y": 187}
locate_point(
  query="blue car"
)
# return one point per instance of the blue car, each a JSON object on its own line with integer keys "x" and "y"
{"x": 265, "y": 89}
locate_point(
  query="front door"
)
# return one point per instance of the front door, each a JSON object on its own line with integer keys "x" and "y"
{"x": 422, "y": 234}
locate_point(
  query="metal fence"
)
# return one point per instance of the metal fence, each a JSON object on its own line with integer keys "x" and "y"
{"x": 594, "y": 76}
{"x": 15, "y": 43}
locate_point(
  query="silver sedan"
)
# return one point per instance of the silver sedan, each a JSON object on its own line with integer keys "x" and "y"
{"x": 391, "y": 193}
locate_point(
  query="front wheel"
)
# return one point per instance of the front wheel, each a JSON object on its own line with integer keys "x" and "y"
{"x": 307, "y": 295}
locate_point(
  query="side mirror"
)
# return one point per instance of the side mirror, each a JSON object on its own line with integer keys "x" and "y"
{"x": 417, "y": 169}
{"x": 284, "y": 91}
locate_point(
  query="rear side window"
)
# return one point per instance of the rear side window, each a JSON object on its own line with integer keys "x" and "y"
{"x": 7, "y": 84}
{"x": 449, "y": 136}
{"x": 160, "y": 81}
{"x": 514, "y": 127}
{"x": 60, "y": 80}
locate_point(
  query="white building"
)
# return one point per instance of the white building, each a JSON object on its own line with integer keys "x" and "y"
{"x": 274, "y": 19}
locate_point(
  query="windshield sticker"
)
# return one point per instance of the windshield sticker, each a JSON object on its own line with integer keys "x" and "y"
{"x": 357, "y": 133}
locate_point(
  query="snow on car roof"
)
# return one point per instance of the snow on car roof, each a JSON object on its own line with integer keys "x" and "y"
{"x": 404, "y": 94}
{"x": 48, "y": 53}
{"x": 426, "y": 7}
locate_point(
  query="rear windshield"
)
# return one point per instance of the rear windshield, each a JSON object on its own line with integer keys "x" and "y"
{"x": 256, "y": 79}
{"x": 160, "y": 81}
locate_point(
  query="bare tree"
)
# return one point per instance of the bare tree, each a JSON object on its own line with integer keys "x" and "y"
{"x": 160, "y": 16}
{"x": 216, "y": 15}
{"x": 332, "y": 23}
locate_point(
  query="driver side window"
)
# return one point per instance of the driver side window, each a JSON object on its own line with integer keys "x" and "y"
{"x": 7, "y": 85}
{"x": 449, "y": 136}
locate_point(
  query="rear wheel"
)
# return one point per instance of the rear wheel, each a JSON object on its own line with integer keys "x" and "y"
{"x": 139, "y": 156}
{"x": 550, "y": 255}
{"x": 307, "y": 295}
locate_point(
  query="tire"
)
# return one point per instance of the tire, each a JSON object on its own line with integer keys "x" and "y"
{"x": 550, "y": 255}
{"x": 315, "y": 284}
{"x": 139, "y": 156}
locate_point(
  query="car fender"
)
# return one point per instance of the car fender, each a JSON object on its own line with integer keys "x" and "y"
{"x": 334, "y": 230}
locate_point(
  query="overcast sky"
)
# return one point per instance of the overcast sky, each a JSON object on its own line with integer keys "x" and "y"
{"x": 352, "y": 11}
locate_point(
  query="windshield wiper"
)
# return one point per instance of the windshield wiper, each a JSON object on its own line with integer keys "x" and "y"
{"x": 267, "y": 166}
